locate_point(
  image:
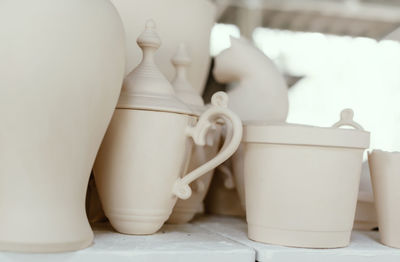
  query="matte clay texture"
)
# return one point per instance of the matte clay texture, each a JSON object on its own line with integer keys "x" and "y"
{"x": 385, "y": 176}
{"x": 179, "y": 21}
{"x": 140, "y": 164}
{"x": 61, "y": 70}
{"x": 302, "y": 182}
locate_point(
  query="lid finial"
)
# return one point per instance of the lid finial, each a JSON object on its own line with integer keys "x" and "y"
{"x": 146, "y": 87}
{"x": 184, "y": 90}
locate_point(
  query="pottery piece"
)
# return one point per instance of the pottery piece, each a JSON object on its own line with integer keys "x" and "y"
{"x": 238, "y": 174}
{"x": 222, "y": 197}
{"x": 179, "y": 21}
{"x": 147, "y": 146}
{"x": 94, "y": 210}
{"x": 185, "y": 210}
{"x": 261, "y": 93}
{"x": 302, "y": 182}
{"x": 61, "y": 70}
{"x": 385, "y": 176}
{"x": 365, "y": 218}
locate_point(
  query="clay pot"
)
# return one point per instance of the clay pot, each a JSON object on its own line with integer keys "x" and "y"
{"x": 145, "y": 151}
{"x": 61, "y": 70}
{"x": 385, "y": 176}
{"x": 302, "y": 182}
{"x": 179, "y": 21}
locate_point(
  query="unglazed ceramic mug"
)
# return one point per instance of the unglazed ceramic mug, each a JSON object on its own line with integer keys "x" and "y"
{"x": 385, "y": 176}
{"x": 144, "y": 152}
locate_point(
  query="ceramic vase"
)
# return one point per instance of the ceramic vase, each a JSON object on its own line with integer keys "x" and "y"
{"x": 179, "y": 21}
{"x": 145, "y": 151}
{"x": 385, "y": 176}
{"x": 302, "y": 182}
{"x": 62, "y": 64}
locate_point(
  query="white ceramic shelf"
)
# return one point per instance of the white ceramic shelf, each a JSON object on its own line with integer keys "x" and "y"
{"x": 211, "y": 239}
{"x": 182, "y": 243}
{"x": 364, "y": 247}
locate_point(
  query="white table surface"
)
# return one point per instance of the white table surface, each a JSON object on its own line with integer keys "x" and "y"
{"x": 183, "y": 243}
{"x": 209, "y": 239}
{"x": 364, "y": 247}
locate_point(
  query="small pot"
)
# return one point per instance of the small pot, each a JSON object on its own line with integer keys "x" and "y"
{"x": 302, "y": 182}
{"x": 385, "y": 176}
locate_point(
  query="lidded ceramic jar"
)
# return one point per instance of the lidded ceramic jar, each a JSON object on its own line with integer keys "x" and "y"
{"x": 302, "y": 182}
{"x": 147, "y": 146}
{"x": 62, "y": 64}
{"x": 185, "y": 210}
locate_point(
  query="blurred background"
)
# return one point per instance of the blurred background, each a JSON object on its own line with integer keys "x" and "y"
{"x": 335, "y": 54}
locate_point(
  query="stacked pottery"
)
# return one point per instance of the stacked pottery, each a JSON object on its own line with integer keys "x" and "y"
{"x": 146, "y": 148}
{"x": 179, "y": 21}
{"x": 261, "y": 94}
{"x": 61, "y": 70}
{"x": 307, "y": 180}
{"x": 185, "y": 210}
{"x": 385, "y": 176}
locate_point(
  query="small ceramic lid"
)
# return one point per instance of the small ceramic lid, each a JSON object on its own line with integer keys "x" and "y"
{"x": 146, "y": 88}
{"x": 183, "y": 89}
{"x": 292, "y": 134}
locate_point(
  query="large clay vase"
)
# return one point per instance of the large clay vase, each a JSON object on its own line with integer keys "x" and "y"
{"x": 178, "y": 21}
{"x": 62, "y": 64}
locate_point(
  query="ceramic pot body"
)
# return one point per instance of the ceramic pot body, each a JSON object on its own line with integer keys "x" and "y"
{"x": 140, "y": 164}
{"x": 61, "y": 69}
{"x": 385, "y": 175}
{"x": 238, "y": 174}
{"x": 302, "y": 184}
{"x": 179, "y": 21}
{"x": 185, "y": 210}
{"x": 222, "y": 199}
{"x": 144, "y": 164}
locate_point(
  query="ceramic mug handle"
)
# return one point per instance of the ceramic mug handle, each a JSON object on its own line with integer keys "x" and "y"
{"x": 199, "y": 132}
{"x": 346, "y": 119}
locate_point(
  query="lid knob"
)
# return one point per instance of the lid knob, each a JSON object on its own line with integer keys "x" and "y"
{"x": 146, "y": 87}
{"x": 184, "y": 90}
{"x": 149, "y": 37}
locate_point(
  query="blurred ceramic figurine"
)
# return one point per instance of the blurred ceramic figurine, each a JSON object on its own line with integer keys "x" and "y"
{"x": 139, "y": 168}
{"x": 385, "y": 176}
{"x": 61, "y": 71}
{"x": 179, "y": 21}
{"x": 261, "y": 93}
{"x": 185, "y": 210}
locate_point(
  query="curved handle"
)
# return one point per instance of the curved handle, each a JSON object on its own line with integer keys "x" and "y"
{"x": 346, "y": 119}
{"x": 199, "y": 133}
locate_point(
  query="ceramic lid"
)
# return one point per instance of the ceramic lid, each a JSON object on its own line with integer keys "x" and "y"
{"x": 183, "y": 89}
{"x": 146, "y": 88}
{"x": 292, "y": 134}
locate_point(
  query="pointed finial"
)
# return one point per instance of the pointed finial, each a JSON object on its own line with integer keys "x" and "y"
{"x": 149, "y": 37}
{"x": 182, "y": 86}
{"x": 181, "y": 57}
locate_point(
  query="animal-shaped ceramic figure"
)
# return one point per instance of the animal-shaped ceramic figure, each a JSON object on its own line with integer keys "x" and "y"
{"x": 261, "y": 93}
